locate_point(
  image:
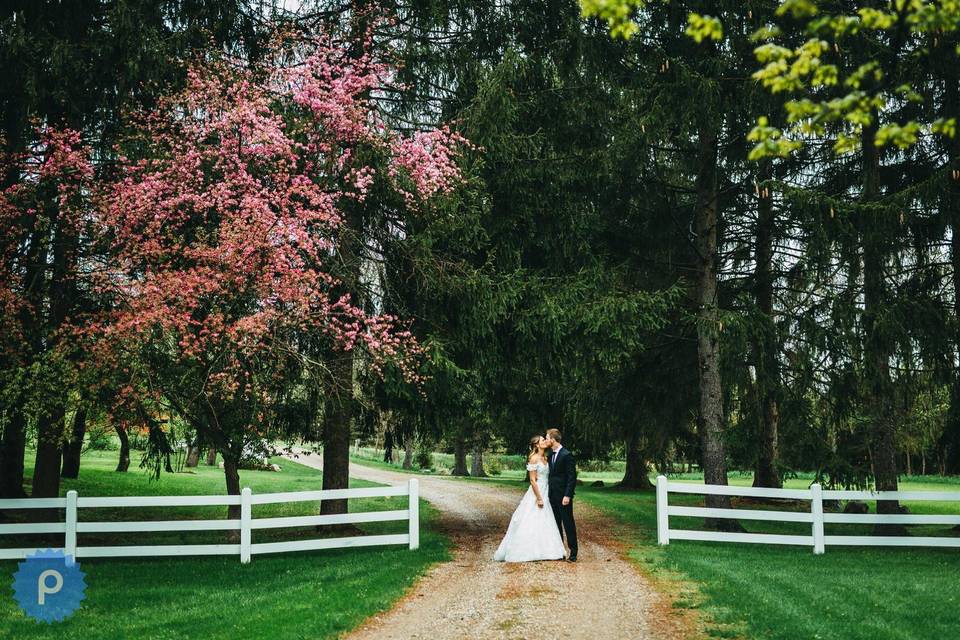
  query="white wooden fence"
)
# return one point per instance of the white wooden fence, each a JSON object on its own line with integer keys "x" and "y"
{"x": 72, "y": 526}
{"x": 815, "y": 516}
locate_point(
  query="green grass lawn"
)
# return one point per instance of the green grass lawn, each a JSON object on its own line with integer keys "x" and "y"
{"x": 318, "y": 594}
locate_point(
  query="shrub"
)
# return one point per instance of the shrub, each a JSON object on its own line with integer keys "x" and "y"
{"x": 101, "y": 440}
{"x": 424, "y": 459}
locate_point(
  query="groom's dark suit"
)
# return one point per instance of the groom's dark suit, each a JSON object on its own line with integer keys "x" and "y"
{"x": 562, "y": 482}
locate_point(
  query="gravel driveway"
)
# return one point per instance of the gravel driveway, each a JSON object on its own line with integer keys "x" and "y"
{"x": 601, "y": 596}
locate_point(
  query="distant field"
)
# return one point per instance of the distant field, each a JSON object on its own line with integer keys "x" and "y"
{"x": 498, "y": 465}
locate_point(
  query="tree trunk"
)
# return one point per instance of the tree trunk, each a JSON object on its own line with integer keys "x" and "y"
{"x": 459, "y": 456}
{"x": 193, "y": 454}
{"x": 476, "y": 460}
{"x": 951, "y": 433}
{"x": 62, "y": 294}
{"x": 336, "y": 436}
{"x": 12, "y": 450}
{"x": 46, "y": 469}
{"x": 72, "y": 449}
{"x": 13, "y": 443}
{"x": 408, "y": 451}
{"x": 710, "y": 419}
{"x": 123, "y": 463}
{"x": 635, "y": 476}
{"x": 337, "y": 425}
{"x": 231, "y": 474}
{"x": 765, "y": 349}
{"x": 212, "y": 456}
{"x": 877, "y": 348}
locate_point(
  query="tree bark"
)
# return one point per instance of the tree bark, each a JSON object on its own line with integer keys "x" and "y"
{"x": 710, "y": 419}
{"x": 408, "y": 443}
{"x": 636, "y": 475}
{"x": 46, "y": 469}
{"x": 877, "y": 349}
{"x": 337, "y": 425}
{"x": 212, "y": 456}
{"x": 952, "y": 428}
{"x": 62, "y": 295}
{"x": 231, "y": 474}
{"x": 765, "y": 349}
{"x": 459, "y": 456}
{"x": 951, "y": 434}
{"x": 12, "y": 451}
{"x": 13, "y": 443}
{"x": 476, "y": 461}
{"x": 193, "y": 454}
{"x": 123, "y": 463}
{"x": 73, "y": 448}
{"x": 336, "y": 436}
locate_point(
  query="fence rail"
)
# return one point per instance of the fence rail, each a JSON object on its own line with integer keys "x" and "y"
{"x": 71, "y": 526}
{"x": 815, "y": 516}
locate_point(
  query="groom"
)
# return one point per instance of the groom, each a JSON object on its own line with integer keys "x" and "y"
{"x": 562, "y": 482}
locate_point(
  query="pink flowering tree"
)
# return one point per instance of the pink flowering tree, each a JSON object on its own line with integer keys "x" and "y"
{"x": 222, "y": 231}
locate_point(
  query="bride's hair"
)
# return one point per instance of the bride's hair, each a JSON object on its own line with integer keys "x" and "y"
{"x": 534, "y": 446}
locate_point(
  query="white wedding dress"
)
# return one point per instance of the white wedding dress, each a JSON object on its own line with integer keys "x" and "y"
{"x": 533, "y": 532}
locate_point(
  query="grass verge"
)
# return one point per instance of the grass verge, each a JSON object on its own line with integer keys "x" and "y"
{"x": 769, "y": 592}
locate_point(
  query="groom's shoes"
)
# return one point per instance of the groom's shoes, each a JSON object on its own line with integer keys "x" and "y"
{"x": 572, "y": 558}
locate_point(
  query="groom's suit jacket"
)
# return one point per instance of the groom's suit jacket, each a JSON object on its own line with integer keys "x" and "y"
{"x": 563, "y": 474}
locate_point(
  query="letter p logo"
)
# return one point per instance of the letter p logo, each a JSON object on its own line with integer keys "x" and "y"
{"x": 49, "y": 585}
{"x": 43, "y": 588}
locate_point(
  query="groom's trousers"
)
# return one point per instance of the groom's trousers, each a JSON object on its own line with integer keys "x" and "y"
{"x": 564, "y": 516}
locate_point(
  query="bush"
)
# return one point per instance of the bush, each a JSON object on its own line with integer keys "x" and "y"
{"x": 138, "y": 439}
{"x": 424, "y": 459}
{"x": 513, "y": 462}
{"x": 598, "y": 466}
{"x": 494, "y": 465}
{"x": 99, "y": 440}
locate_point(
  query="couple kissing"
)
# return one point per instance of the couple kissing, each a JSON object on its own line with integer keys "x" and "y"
{"x": 536, "y": 531}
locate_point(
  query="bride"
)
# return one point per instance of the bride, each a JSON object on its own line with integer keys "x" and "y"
{"x": 533, "y": 532}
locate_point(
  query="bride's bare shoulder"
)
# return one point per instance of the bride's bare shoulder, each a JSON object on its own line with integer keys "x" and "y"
{"x": 534, "y": 458}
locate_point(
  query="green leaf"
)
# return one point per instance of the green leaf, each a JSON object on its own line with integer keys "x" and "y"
{"x": 797, "y": 8}
{"x": 701, "y": 27}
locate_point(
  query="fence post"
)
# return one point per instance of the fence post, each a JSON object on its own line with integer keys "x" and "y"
{"x": 663, "y": 522}
{"x": 70, "y": 533}
{"x": 816, "y": 510}
{"x": 245, "y": 513}
{"x": 414, "y": 509}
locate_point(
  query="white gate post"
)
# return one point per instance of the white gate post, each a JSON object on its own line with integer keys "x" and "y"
{"x": 663, "y": 522}
{"x": 245, "y": 513}
{"x": 816, "y": 510}
{"x": 70, "y": 533}
{"x": 414, "y": 515}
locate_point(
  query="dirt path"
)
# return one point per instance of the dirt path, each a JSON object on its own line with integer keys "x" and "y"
{"x": 600, "y": 597}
